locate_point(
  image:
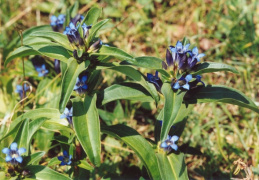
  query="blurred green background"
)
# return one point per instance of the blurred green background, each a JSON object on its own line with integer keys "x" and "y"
{"x": 226, "y": 31}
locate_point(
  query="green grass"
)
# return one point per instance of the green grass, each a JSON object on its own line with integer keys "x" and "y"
{"x": 227, "y": 31}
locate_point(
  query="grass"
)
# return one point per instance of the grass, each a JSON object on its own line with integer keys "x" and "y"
{"x": 227, "y": 31}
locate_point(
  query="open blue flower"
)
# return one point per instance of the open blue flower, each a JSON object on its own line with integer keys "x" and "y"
{"x": 13, "y": 155}
{"x": 195, "y": 54}
{"x": 154, "y": 80}
{"x": 42, "y": 71}
{"x": 65, "y": 159}
{"x": 169, "y": 143}
{"x": 183, "y": 82}
{"x": 57, "y": 22}
{"x": 20, "y": 90}
{"x": 68, "y": 113}
{"x": 81, "y": 86}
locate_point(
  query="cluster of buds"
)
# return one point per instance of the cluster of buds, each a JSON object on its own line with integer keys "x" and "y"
{"x": 77, "y": 34}
{"x": 180, "y": 61}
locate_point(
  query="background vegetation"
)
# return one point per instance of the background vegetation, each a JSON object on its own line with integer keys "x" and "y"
{"x": 216, "y": 134}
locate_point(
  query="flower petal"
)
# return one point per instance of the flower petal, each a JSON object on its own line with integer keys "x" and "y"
{"x": 13, "y": 146}
{"x": 186, "y": 86}
{"x": 164, "y": 145}
{"x": 65, "y": 153}
{"x": 174, "y": 138}
{"x": 6, "y": 151}
{"x": 61, "y": 158}
{"x": 62, "y": 163}
{"x": 195, "y": 51}
{"x": 174, "y": 146}
{"x": 21, "y": 151}
{"x": 188, "y": 77}
{"x": 176, "y": 85}
{"x": 8, "y": 158}
{"x": 19, "y": 159}
{"x": 84, "y": 79}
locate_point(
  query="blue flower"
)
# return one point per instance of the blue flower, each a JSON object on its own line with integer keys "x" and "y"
{"x": 154, "y": 80}
{"x": 65, "y": 159}
{"x": 68, "y": 113}
{"x": 81, "y": 85}
{"x": 195, "y": 54}
{"x": 42, "y": 71}
{"x": 57, "y": 22}
{"x": 169, "y": 143}
{"x": 183, "y": 82}
{"x": 13, "y": 155}
{"x": 20, "y": 90}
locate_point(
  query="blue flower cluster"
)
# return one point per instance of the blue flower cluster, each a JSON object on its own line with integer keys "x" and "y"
{"x": 39, "y": 65}
{"x": 68, "y": 114}
{"x": 13, "y": 155}
{"x": 57, "y": 22}
{"x": 169, "y": 143}
{"x": 66, "y": 159}
{"x": 179, "y": 60}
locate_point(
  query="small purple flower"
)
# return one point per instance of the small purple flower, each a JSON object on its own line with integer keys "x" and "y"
{"x": 183, "y": 82}
{"x": 42, "y": 71}
{"x": 195, "y": 54}
{"x": 57, "y": 66}
{"x": 154, "y": 80}
{"x": 57, "y": 22}
{"x": 13, "y": 155}
{"x": 81, "y": 86}
{"x": 65, "y": 159}
{"x": 68, "y": 113}
{"x": 169, "y": 143}
{"x": 20, "y": 90}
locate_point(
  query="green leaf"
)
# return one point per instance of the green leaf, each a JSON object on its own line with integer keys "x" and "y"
{"x": 172, "y": 166}
{"x": 92, "y": 16}
{"x": 148, "y": 62}
{"x": 54, "y": 36}
{"x": 34, "y": 126}
{"x": 129, "y": 91}
{"x": 173, "y": 102}
{"x": 115, "y": 52}
{"x": 33, "y": 114}
{"x": 85, "y": 165}
{"x": 207, "y": 67}
{"x": 43, "y": 172}
{"x": 33, "y": 158}
{"x": 48, "y": 49}
{"x": 87, "y": 127}
{"x": 220, "y": 94}
{"x": 69, "y": 81}
{"x": 21, "y": 137}
{"x": 138, "y": 144}
{"x": 95, "y": 28}
{"x": 138, "y": 77}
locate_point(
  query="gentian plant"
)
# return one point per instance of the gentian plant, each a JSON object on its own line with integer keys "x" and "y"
{"x": 176, "y": 84}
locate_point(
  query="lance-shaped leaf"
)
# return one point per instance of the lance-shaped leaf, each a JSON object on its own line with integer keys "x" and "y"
{"x": 54, "y": 36}
{"x": 207, "y": 67}
{"x": 87, "y": 127}
{"x": 28, "y": 160}
{"x": 172, "y": 166}
{"x": 49, "y": 49}
{"x": 22, "y": 135}
{"x": 93, "y": 31}
{"x": 138, "y": 77}
{"x": 43, "y": 172}
{"x": 138, "y": 144}
{"x": 129, "y": 91}
{"x": 220, "y": 94}
{"x": 92, "y": 16}
{"x": 148, "y": 62}
{"x": 114, "y": 52}
{"x": 173, "y": 102}
{"x": 69, "y": 81}
{"x": 32, "y": 115}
